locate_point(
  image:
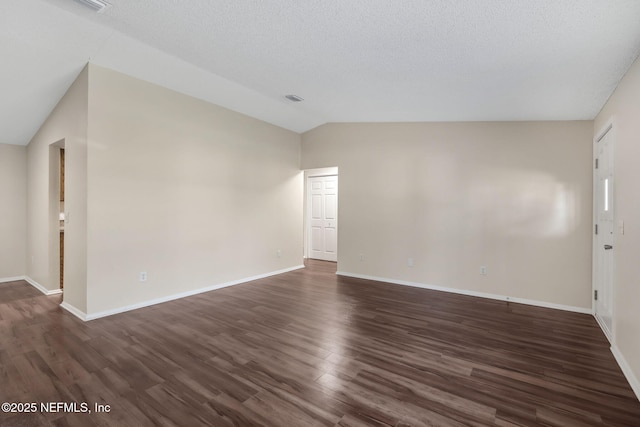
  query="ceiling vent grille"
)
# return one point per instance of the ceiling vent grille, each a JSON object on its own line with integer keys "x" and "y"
{"x": 97, "y": 5}
{"x": 293, "y": 98}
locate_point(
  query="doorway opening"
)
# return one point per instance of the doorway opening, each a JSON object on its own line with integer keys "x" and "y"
{"x": 604, "y": 228}
{"x": 57, "y": 215}
{"x": 61, "y": 217}
{"x": 321, "y": 214}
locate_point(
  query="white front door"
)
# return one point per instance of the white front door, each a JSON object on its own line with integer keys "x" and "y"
{"x": 603, "y": 263}
{"x": 323, "y": 217}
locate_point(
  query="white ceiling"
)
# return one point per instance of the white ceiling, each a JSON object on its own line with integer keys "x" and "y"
{"x": 351, "y": 60}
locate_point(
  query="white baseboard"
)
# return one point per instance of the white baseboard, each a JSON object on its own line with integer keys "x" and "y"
{"x": 11, "y": 279}
{"x": 546, "y": 304}
{"x": 148, "y": 303}
{"x": 76, "y": 312}
{"x": 41, "y": 288}
{"x": 626, "y": 370}
{"x": 603, "y": 328}
{"x": 470, "y": 293}
{"x": 33, "y": 283}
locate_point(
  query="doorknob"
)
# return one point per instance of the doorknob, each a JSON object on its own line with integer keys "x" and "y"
{"x": 607, "y": 247}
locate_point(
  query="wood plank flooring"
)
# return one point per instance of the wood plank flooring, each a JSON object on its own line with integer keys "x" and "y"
{"x": 309, "y": 348}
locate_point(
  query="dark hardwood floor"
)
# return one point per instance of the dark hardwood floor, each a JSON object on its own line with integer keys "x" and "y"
{"x": 309, "y": 348}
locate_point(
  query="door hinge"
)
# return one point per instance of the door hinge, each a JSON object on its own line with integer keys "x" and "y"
{"x": 596, "y": 227}
{"x": 596, "y": 163}
{"x": 595, "y": 295}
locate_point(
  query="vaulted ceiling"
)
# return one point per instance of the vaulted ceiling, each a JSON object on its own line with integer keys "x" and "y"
{"x": 351, "y": 60}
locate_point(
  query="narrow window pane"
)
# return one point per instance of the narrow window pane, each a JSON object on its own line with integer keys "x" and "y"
{"x": 606, "y": 194}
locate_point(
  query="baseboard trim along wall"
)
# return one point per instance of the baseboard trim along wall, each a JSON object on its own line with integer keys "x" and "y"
{"x": 41, "y": 288}
{"x": 11, "y": 279}
{"x": 626, "y": 370}
{"x": 76, "y": 312}
{"x": 33, "y": 283}
{"x": 469, "y": 293}
{"x": 604, "y": 330}
{"x": 93, "y": 316}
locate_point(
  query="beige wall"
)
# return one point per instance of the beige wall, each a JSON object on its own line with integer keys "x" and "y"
{"x": 13, "y": 211}
{"x": 191, "y": 193}
{"x": 515, "y": 197}
{"x": 67, "y": 124}
{"x": 624, "y": 109}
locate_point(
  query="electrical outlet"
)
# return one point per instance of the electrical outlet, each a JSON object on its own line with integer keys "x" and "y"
{"x": 410, "y": 262}
{"x": 143, "y": 276}
{"x": 361, "y": 257}
{"x": 483, "y": 270}
{"x": 279, "y": 253}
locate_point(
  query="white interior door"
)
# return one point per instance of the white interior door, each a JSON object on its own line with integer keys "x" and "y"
{"x": 603, "y": 251}
{"x": 323, "y": 217}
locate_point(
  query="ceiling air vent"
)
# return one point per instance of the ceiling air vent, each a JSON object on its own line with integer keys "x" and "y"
{"x": 97, "y": 5}
{"x": 293, "y": 98}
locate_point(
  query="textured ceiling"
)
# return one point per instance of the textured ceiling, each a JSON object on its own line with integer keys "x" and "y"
{"x": 351, "y": 60}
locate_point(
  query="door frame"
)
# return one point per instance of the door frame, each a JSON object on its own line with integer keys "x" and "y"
{"x": 314, "y": 173}
{"x": 608, "y": 129}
